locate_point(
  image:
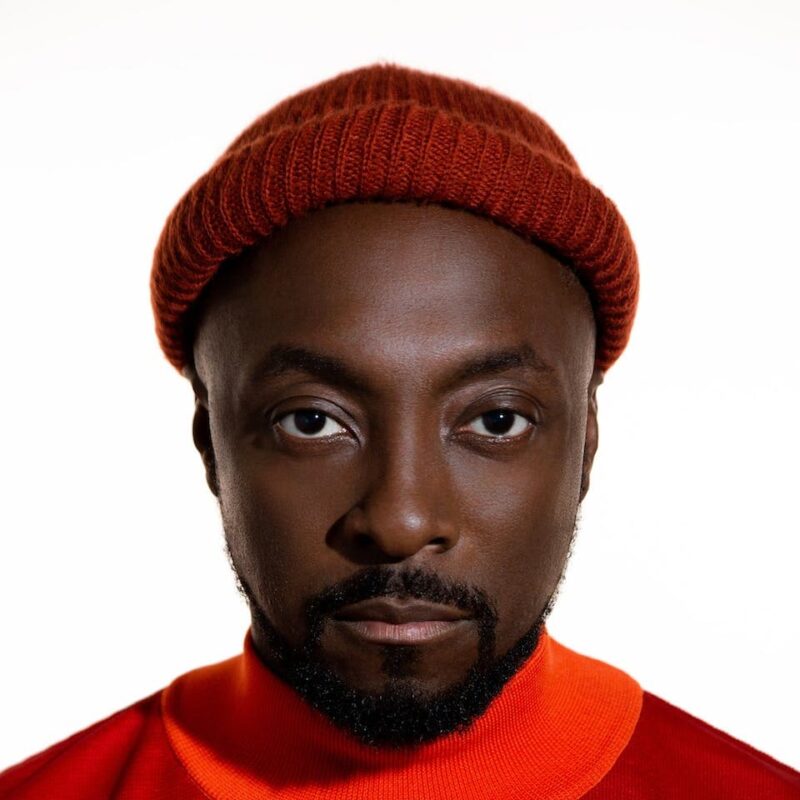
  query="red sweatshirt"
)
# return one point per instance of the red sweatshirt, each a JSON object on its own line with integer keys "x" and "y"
{"x": 565, "y": 726}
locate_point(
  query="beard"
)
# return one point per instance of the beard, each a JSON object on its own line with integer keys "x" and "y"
{"x": 401, "y": 714}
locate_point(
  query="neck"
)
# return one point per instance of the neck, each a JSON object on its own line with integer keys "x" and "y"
{"x": 558, "y": 724}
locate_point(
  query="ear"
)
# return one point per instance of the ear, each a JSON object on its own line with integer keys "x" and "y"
{"x": 201, "y": 432}
{"x": 591, "y": 440}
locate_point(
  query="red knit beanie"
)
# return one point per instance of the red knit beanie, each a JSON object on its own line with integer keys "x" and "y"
{"x": 393, "y": 133}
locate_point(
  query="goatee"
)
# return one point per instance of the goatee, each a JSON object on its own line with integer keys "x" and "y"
{"x": 400, "y": 715}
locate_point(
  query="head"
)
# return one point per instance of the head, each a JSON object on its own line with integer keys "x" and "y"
{"x": 395, "y": 378}
{"x": 396, "y": 403}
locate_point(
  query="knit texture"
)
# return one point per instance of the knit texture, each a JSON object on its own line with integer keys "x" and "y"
{"x": 554, "y": 732}
{"x": 388, "y": 132}
{"x": 233, "y": 741}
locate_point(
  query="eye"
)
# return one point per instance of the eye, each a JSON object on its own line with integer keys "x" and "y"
{"x": 501, "y": 423}
{"x": 309, "y": 423}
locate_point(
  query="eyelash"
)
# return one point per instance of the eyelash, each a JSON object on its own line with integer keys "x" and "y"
{"x": 503, "y": 438}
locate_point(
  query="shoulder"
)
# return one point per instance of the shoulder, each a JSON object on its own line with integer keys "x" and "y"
{"x": 99, "y": 761}
{"x": 675, "y": 752}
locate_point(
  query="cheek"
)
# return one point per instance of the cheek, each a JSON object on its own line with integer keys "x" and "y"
{"x": 518, "y": 518}
{"x": 277, "y": 513}
{"x": 515, "y": 516}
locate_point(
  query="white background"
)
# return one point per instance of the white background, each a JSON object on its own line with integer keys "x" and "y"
{"x": 112, "y": 574}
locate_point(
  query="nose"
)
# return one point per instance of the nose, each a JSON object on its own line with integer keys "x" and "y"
{"x": 406, "y": 506}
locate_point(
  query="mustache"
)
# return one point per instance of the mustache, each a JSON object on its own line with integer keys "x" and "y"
{"x": 368, "y": 583}
{"x": 384, "y": 581}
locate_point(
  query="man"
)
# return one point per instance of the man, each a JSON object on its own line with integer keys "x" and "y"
{"x": 395, "y": 296}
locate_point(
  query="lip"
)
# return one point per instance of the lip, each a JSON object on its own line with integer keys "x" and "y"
{"x": 398, "y": 611}
{"x": 384, "y": 621}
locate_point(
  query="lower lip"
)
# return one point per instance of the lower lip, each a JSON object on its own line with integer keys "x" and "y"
{"x": 402, "y": 633}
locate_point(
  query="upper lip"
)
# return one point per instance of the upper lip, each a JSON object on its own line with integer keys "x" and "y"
{"x": 398, "y": 611}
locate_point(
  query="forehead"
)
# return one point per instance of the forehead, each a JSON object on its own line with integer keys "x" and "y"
{"x": 401, "y": 289}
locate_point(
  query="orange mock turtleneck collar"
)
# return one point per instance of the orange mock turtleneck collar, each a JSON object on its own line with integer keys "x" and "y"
{"x": 554, "y": 731}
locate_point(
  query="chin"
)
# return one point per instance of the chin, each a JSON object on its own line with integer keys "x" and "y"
{"x": 424, "y": 668}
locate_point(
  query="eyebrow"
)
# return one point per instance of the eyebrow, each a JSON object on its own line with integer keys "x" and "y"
{"x": 522, "y": 357}
{"x": 282, "y": 358}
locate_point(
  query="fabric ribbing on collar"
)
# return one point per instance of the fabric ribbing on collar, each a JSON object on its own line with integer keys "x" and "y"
{"x": 553, "y": 732}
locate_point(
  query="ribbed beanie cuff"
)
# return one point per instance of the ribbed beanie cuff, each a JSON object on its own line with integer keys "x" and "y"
{"x": 387, "y": 132}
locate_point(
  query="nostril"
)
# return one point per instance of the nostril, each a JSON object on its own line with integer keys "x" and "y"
{"x": 363, "y": 540}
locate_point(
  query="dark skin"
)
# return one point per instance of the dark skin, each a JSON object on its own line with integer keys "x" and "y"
{"x": 406, "y": 471}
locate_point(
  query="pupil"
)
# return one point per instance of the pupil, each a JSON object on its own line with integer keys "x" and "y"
{"x": 499, "y": 421}
{"x": 309, "y": 420}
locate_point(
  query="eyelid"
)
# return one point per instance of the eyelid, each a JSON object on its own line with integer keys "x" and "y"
{"x": 283, "y": 415}
{"x": 276, "y": 419}
{"x": 498, "y": 406}
{"x": 532, "y": 424}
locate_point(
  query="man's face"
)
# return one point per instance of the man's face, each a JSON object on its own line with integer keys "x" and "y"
{"x": 396, "y": 410}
